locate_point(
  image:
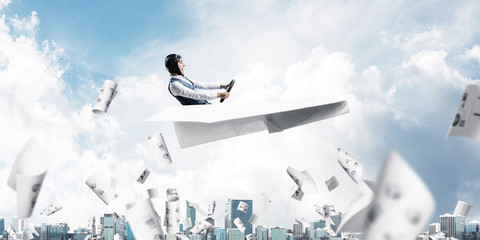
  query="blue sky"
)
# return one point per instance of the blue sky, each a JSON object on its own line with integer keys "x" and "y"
{"x": 402, "y": 66}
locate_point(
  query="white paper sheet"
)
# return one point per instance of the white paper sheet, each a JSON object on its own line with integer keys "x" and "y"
{"x": 211, "y": 208}
{"x": 466, "y": 122}
{"x": 239, "y": 224}
{"x": 251, "y": 236}
{"x": 153, "y": 193}
{"x": 462, "y": 209}
{"x": 26, "y": 176}
{"x": 182, "y": 236}
{"x": 198, "y": 209}
{"x": 326, "y": 210}
{"x": 11, "y": 232}
{"x": 143, "y": 176}
{"x": 143, "y": 221}
{"x": 51, "y": 209}
{"x": 158, "y": 149}
{"x": 105, "y": 97}
{"x": 303, "y": 180}
{"x": 332, "y": 183}
{"x": 199, "y": 124}
{"x": 104, "y": 188}
{"x": 186, "y": 222}
{"x": 172, "y": 216}
{"x": 254, "y": 219}
{"x": 298, "y": 194}
{"x": 242, "y": 206}
{"x": 401, "y": 197}
{"x": 353, "y": 168}
{"x": 200, "y": 226}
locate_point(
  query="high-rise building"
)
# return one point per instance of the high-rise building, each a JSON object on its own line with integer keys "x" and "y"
{"x": 191, "y": 213}
{"x": 129, "y": 232}
{"x": 120, "y": 226}
{"x": 473, "y": 226}
{"x": 314, "y": 226}
{"x": 220, "y": 234}
{"x": 2, "y": 225}
{"x": 195, "y": 237}
{"x": 261, "y": 233}
{"x": 336, "y": 219}
{"x": 58, "y": 231}
{"x": 231, "y": 207}
{"x": 279, "y": 233}
{"x": 452, "y": 226}
{"x": 433, "y": 228}
{"x": 298, "y": 231}
{"x": 108, "y": 222}
{"x": 235, "y": 234}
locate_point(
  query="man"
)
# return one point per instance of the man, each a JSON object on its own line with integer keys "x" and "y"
{"x": 185, "y": 89}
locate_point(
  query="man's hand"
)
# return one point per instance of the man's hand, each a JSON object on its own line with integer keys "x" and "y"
{"x": 223, "y": 95}
{"x": 224, "y": 86}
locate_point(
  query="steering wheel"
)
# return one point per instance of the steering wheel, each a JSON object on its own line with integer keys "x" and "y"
{"x": 230, "y": 86}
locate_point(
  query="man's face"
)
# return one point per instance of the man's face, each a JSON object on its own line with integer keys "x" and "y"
{"x": 181, "y": 65}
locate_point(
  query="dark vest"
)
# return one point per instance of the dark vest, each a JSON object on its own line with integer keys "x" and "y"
{"x": 184, "y": 100}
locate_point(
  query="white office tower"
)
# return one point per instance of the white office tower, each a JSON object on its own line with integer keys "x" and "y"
{"x": 433, "y": 228}
{"x": 452, "y": 226}
{"x": 462, "y": 209}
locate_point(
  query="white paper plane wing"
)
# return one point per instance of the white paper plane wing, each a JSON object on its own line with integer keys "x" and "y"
{"x": 201, "y": 124}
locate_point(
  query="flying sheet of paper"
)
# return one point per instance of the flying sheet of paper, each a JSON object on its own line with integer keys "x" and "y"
{"x": 354, "y": 219}
{"x": 401, "y": 197}
{"x": 332, "y": 183}
{"x": 27, "y": 234}
{"x": 182, "y": 236}
{"x": 266, "y": 202}
{"x": 158, "y": 149}
{"x": 26, "y": 176}
{"x": 199, "y": 124}
{"x": 200, "y": 226}
{"x": 172, "y": 194}
{"x": 211, "y": 208}
{"x": 242, "y": 206}
{"x": 143, "y": 220}
{"x": 251, "y": 236}
{"x": 326, "y": 210}
{"x": 116, "y": 216}
{"x": 303, "y": 180}
{"x": 31, "y": 227}
{"x": 198, "y": 209}
{"x": 239, "y": 224}
{"x": 353, "y": 168}
{"x": 436, "y": 236}
{"x": 143, "y": 176}
{"x": 462, "y": 209}
{"x": 254, "y": 219}
{"x": 105, "y": 97}
{"x": 186, "y": 222}
{"x": 51, "y": 209}
{"x": 11, "y": 232}
{"x": 467, "y": 119}
{"x": 298, "y": 194}
{"x": 172, "y": 216}
{"x": 105, "y": 189}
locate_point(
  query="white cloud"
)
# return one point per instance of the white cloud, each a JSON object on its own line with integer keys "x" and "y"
{"x": 4, "y": 3}
{"x": 473, "y": 53}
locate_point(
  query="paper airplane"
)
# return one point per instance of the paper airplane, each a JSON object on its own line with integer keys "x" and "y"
{"x": 51, "y": 209}
{"x": 26, "y": 177}
{"x": 199, "y": 124}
